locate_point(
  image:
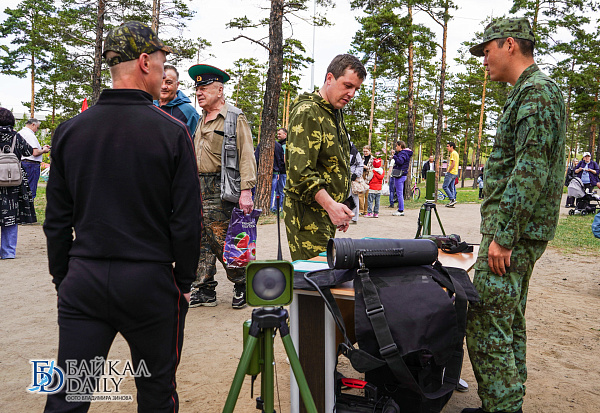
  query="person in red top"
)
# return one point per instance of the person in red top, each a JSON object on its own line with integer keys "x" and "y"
{"x": 375, "y": 179}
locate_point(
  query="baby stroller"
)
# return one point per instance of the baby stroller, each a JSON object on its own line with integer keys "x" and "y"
{"x": 585, "y": 202}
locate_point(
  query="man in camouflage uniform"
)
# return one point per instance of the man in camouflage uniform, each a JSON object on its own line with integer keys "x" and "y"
{"x": 522, "y": 188}
{"x": 317, "y": 161}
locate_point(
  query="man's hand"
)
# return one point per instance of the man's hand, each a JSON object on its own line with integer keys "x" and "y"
{"x": 344, "y": 227}
{"x": 339, "y": 214}
{"x": 246, "y": 203}
{"x": 498, "y": 258}
{"x": 187, "y": 296}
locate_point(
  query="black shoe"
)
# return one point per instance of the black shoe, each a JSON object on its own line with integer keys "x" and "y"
{"x": 203, "y": 297}
{"x": 480, "y": 410}
{"x": 239, "y": 296}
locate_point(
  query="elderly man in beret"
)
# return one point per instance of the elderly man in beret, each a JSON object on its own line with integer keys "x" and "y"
{"x": 227, "y": 168}
{"x": 523, "y": 187}
{"x": 129, "y": 269}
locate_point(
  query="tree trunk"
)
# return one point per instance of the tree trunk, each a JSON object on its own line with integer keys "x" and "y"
{"x": 54, "y": 95}
{"x": 465, "y": 158}
{"x": 271, "y": 105}
{"x": 155, "y": 15}
{"x": 397, "y": 108}
{"x": 569, "y": 115}
{"x": 372, "y": 101}
{"x": 410, "y": 115}
{"x": 97, "y": 72}
{"x": 481, "y": 112}
{"x": 286, "y": 100}
{"x": 32, "y": 108}
{"x": 440, "y": 116}
{"x": 593, "y": 129}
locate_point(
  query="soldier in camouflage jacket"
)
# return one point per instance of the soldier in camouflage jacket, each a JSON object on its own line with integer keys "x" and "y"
{"x": 522, "y": 189}
{"x": 317, "y": 161}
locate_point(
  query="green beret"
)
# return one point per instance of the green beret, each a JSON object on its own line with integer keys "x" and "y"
{"x": 206, "y": 74}
{"x": 130, "y": 40}
{"x": 503, "y": 28}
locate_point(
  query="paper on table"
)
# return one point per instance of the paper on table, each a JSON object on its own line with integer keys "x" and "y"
{"x": 306, "y": 266}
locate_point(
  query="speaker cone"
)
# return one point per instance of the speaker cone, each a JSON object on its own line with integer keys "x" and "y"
{"x": 269, "y": 283}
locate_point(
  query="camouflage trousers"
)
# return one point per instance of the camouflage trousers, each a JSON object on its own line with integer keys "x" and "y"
{"x": 215, "y": 219}
{"x": 496, "y": 332}
{"x": 308, "y": 228}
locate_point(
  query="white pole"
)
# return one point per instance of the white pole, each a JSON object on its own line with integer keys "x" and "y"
{"x": 312, "y": 66}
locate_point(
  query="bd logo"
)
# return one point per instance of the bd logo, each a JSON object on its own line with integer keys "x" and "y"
{"x": 47, "y": 378}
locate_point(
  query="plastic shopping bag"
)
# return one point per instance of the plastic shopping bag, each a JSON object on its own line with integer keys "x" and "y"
{"x": 240, "y": 241}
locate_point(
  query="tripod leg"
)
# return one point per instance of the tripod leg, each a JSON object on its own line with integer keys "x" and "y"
{"x": 440, "y": 222}
{"x": 427, "y": 223}
{"x": 238, "y": 379}
{"x": 267, "y": 388}
{"x": 419, "y": 222}
{"x": 309, "y": 403}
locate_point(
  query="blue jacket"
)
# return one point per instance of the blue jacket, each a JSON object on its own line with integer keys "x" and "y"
{"x": 593, "y": 165}
{"x": 402, "y": 160}
{"x": 596, "y": 226}
{"x": 181, "y": 108}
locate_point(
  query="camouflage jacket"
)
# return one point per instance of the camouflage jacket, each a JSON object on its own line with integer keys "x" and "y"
{"x": 318, "y": 151}
{"x": 524, "y": 175}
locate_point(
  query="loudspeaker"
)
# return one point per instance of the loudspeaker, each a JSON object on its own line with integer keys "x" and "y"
{"x": 269, "y": 283}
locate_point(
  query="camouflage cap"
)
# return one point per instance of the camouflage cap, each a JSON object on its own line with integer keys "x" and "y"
{"x": 130, "y": 40}
{"x": 518, "y": 28}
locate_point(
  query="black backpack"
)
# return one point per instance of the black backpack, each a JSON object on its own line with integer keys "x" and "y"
{"x": 410, "y": 325}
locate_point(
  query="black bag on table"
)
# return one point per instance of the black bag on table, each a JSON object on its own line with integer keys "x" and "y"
{"x": 410, "y": 325}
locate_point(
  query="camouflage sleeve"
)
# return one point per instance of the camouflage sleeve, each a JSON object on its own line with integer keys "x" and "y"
{"x": 302, "y": 152}
{"x": 534, "y": 123}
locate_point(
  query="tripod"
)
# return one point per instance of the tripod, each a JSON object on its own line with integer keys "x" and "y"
{"x": 265, "y": 321}
{"x": 424, "y": 220}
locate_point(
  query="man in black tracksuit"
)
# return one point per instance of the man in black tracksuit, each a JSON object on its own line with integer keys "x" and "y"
{"x": 124, "y": 178}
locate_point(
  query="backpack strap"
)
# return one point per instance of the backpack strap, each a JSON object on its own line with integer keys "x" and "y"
{"x": 389, "y": 350}
{"x": 14, "y": 142}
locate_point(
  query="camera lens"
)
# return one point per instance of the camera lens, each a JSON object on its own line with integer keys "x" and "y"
{"x": 343, "y": 253}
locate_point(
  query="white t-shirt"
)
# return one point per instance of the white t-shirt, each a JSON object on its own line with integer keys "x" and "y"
{"x": 29, "y": 136}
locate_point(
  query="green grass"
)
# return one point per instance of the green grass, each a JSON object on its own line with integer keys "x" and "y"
{"x": 463, "y": 195}
{"x": 40, "y": 203}
{"x": 574, "y": 236}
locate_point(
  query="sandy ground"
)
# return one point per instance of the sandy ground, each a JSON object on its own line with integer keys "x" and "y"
{"x": 563, "y": 328}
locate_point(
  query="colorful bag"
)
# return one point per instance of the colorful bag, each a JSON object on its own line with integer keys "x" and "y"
{"x": 240, "y": 241}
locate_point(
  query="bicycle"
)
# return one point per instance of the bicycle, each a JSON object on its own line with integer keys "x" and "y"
{"x": 415, "y": 191}
{"x": 441, "y": 195}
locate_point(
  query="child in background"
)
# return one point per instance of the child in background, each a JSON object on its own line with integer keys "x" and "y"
{"x": 480, "y": 182}
{"x": 375, "y": 179}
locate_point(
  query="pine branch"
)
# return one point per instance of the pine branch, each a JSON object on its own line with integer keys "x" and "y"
{"x": 252, "y": 40}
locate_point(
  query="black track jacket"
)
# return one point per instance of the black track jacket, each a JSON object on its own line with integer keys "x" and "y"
{"x": 124, "y": 178}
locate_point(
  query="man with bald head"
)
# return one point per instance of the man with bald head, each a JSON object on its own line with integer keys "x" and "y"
{"x": 130, "y": 268}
